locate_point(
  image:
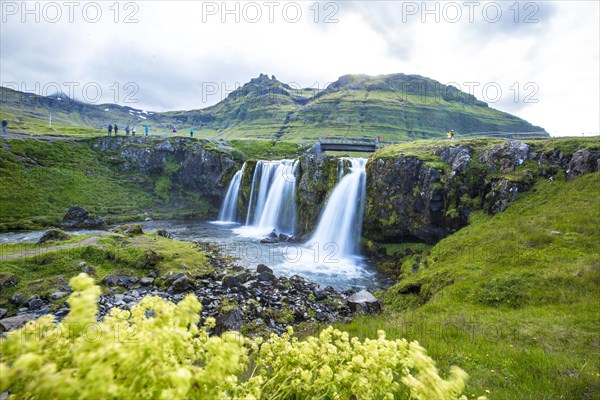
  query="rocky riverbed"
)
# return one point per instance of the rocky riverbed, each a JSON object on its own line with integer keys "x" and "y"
{"x": 252, "y": 301}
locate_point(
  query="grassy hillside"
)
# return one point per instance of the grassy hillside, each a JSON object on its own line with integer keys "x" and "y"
{"x": 30, "y": 113}
{"x": 397, "y": 107}
{"x": 41, "y": 180}
{"x": 512, "y": 298}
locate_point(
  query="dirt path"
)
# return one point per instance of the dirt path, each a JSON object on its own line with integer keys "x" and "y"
{"x": 91, "y": 241}
{"x": 47, "y": 137}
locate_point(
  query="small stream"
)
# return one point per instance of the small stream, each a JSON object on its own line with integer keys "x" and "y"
{"x": 319, "y": 262}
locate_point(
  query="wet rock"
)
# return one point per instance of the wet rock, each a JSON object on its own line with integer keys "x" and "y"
{"x": 15, "y": 322}
{"x": 263, "y": 268}
{"x": 7, "y": 280}
{"x": 3, "y": 312}
{"x": 53, "y": 234}
{"x": 230, "y": 320}
{"x": 80, "y": 218}
{"x": 363, "y": 302}
{"x": 266, "y": 277}
{"x": 164, "y": 233}
{"x": 269, "y": 240}
{"x": 285, "y": 238}
{"x": 91, "y": 271}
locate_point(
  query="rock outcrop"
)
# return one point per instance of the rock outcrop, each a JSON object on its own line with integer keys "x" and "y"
{"x": 191, "y": 164}
{"x": 406, "y": 199}
{"x": 78, "y": 217}
{"x": 415, "y": 198}
{"x": 53, "y": 234}
{"x": 317, "y": 177}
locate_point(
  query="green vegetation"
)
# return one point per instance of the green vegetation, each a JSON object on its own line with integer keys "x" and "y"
{"x": 40, "y": 180}
{"x": 45, "y": 271}
{"x": 397, "y": 107}
{"x": 512, "y": 298}
{"x": 49, "y": 360}
{"x": 266, "y": 149}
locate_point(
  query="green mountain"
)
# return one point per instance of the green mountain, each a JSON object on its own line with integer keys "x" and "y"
{"x": 397, "y": 107}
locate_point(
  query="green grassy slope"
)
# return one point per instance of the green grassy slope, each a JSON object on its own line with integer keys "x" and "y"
{"x": 397, "y": 107}
{"x": 512, "y": 298}
{"x": 30, "y": 113}
{"x": 39, "y": 180}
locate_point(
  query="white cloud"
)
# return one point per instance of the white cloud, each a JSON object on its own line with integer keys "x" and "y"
{"x": 176, "y": 50}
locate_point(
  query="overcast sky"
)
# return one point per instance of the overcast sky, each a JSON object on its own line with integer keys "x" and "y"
{"x": 538, "y": 60}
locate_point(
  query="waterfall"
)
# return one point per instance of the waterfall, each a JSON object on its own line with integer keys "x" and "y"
{"x": 272, "y": 204}
{"x": 341, "y": 220}
{"x": 341, "y": 168}
{"x": 262, "y": 178}
{"x": 229, "y": 207}
{"x": 279, "y": 212}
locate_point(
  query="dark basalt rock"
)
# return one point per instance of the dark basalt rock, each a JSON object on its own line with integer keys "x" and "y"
{"x": 182, "y": 284}
{"x": 506, "y": 157}
{"x": 200, "y": 170}
{"x": 583, "y": 162}
{"x": 7, "y": 280}
{"x": 53, "y": 234}
{"x": 78, "y": 217}
{"x": 230, "y": 320}
{"x": 164, "y": 233}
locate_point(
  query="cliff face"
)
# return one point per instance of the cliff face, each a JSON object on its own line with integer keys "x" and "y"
{"x": 317, "y": 176}
{"x": 422, "y": 195}
{"x": 428, "y": 196}
{"x": 185, "y": 165}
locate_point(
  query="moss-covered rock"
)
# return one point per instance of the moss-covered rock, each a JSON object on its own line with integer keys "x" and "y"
{"x": 424, "y": 191}
{"x": 317, "y": 176}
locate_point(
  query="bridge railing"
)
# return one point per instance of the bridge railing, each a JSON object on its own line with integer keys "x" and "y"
{"x": 346, "y": 140}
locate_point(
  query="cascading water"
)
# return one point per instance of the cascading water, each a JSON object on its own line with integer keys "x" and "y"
{"x": 228, "y": 213}
{"x": 341, "y": 220}
{"x": 279, "y": 212}
{"x": 272, "y": 204}
{"x": 262, "y": 179}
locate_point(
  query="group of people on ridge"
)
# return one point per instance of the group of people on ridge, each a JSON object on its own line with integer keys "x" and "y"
{"x": 128, "y": 129}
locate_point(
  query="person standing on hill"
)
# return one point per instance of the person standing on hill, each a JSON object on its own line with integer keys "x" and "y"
{"x": 109, "y": 130}
{"x": 4, "y": 125}
{"x": 192, "y": 131}
{"x": 147, "y": 128}
{"x": 127, "y": 130}
{"x": 451, "y": 134}
{"x": 116, "y": 130}
{"x": 133, "y": 131}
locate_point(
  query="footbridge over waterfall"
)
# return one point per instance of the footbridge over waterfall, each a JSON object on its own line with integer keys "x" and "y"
{"x": 339, "y": 143}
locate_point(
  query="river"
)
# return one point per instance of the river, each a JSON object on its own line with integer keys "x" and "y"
{"x": 319, "y": 262}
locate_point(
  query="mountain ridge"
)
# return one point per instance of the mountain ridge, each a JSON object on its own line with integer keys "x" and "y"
{"x": 395, "y": 106}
